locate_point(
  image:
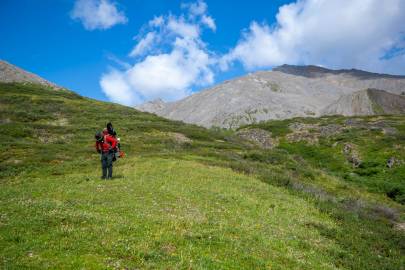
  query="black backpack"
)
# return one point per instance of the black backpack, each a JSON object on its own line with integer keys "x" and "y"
{"x": 99, "y": 136}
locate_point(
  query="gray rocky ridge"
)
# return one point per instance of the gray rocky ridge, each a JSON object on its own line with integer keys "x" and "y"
{"x": 367, "y": 102}
{"x": 286, "y": 92}
{"x": 10, "y": 73}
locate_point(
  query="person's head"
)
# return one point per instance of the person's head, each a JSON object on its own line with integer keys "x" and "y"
{"x": 99, "y": 136}
{"x": 109, "y": 126}
{"x": 105, "y": 131}
{"x": 110, "y": 129}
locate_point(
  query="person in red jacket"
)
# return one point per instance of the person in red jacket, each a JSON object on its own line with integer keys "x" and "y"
{"x": 105, "y": 145}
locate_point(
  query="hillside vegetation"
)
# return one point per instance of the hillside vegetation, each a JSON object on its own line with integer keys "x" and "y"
{"x": 296, "y": 194}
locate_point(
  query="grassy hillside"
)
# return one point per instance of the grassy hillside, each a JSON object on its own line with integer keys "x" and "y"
{"x": 355, "y": 151}
{"x": 191, "y": 198}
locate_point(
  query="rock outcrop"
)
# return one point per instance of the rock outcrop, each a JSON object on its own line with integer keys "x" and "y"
{"x": 258, "y": 136}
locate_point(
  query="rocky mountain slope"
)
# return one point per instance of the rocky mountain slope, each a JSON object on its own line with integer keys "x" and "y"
{"x": 285, "y": 92}
{"x": 367, "y": 102}
{"x": 10, "y": 73}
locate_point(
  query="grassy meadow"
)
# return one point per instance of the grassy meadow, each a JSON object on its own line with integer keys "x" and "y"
{"x": 185, "y": 197}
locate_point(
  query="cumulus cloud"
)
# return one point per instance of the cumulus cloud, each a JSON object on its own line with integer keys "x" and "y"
{"x": 333, "y": 33}
{"x": 97, "y": 14}
{"x": 170, "y": 58}
{"x": 116, "y": 88}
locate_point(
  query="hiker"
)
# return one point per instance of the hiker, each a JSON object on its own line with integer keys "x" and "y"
{"x": 113, "y": 133}
{"x": 106, "y": 145}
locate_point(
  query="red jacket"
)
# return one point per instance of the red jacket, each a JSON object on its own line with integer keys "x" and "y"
{"x": 108, "y": 143}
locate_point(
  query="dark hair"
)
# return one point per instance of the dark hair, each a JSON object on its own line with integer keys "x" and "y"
{"x": 109, "y": 126}
{"x": 110, "y": 129}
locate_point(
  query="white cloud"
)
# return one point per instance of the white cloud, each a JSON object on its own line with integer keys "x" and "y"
{"x": 195, "y": 9}
{"x": 258, "y": 48}
{"x": 147, "y": 77}
{"x": 97, "y": 14}
{"x": 182, "y": 28}
{"x": 118, "y": 61}
{"x": 144, "y": 44}
{"x": 209, "y": 21}
{"x": 170, "y": 58}
{"x": 156, "y": 21}
{"x": 116, "y": 88}
{"x": 333, "y": 33}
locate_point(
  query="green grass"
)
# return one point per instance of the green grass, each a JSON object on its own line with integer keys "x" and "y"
{"x": 215, "y": 203}
{"x": 157, "y": 213}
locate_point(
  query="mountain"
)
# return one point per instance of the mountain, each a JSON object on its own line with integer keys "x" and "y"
{"x": 285, "y": 92}
{"x": 367, "y": 102}
{"x": 307, "y": 193}
{"x": 10, "y": 73}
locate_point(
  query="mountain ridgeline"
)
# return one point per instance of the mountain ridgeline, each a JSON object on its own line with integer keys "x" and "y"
{"x": 286, "y": 92}
{"x": 12, "y": 74}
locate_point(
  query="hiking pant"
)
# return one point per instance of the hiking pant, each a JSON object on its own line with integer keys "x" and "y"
{"x": 107, "y": 164}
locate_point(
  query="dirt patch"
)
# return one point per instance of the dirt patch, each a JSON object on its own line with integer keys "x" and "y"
{"x": 179, "y": 138}
{"x": 168, "y": 248}
{"x": 45, "y": 137}
{"x": 59, "y": 122}
{"x": 14, "y": 161}
{"x": 5, "y": 121}
{"x": 400, "y": 226}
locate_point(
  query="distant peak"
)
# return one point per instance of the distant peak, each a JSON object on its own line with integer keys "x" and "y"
{"x": 10, "y": 73}
{"x": 313, "y": 71}
{"x": 152, "y": 106}
{"x": 310, "y": 71}
{"x": 156, "y": 101}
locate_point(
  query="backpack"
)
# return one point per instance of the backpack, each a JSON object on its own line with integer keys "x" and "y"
{"x": 99, "y": 136}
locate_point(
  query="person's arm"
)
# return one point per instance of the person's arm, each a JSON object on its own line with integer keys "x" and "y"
{"x": 98, "y": 147}
{"x": 113, "y": 142}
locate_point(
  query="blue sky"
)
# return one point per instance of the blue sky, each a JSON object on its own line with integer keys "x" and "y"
{"x": 65, "y": 42}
